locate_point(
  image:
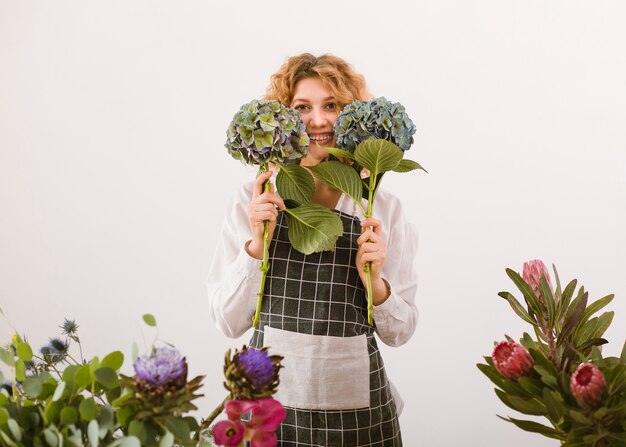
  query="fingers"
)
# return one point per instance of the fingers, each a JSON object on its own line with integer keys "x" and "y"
{"x": 258, "y": 184}
{"x": 375, "y": 224}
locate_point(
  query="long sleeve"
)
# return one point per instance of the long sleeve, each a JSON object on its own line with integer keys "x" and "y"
{"x": 234, "y": 276}
{"x": 396, "y": 318}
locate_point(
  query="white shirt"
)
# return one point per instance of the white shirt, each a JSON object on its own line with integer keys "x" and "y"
{"x": 234, "y": 276}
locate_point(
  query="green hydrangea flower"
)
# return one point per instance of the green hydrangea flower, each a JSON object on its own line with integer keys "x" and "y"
{"x": 377, "y": 118}
{"x": 266, "y": 131}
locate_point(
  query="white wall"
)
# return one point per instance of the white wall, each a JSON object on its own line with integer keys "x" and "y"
{"x": 114, "y": 179}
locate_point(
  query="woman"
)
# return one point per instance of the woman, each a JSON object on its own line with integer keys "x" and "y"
{"x": 314, "y": 312}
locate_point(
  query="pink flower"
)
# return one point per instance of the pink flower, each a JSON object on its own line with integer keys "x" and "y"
{"x": 532, "y": 273}
{"x": 228, "y": 433}
{"x": 267, "y": 416}
{"x": 512, "y": 360}
{"x": 260, "y": 438}
{"x": 235, "y": 408}
{"x": 588, "y": 385}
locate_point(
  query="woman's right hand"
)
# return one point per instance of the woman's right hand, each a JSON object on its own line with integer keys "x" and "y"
{"x": 262, "y": 207}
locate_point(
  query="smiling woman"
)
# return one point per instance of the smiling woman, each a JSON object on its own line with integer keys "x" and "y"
{"x": 334, "y": 385}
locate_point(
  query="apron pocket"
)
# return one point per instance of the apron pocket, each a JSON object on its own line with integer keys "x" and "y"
{"x": 321, "y": 372}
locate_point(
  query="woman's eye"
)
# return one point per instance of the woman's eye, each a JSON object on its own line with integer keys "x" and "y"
{"x": 331, "y": 106}
{"x": 301, "y": 107}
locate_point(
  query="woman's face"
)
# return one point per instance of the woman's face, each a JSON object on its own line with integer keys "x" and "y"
{"x": 319, "y": 110}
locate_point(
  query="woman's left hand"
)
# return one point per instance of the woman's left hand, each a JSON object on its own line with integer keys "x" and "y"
{"x": 372, "y": 248}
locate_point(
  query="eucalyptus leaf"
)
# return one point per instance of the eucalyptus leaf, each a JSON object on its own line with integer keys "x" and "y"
{"x": 107, "y": 377}
{"x": 178, "y": 427}
{"x": 87, "y": 409}
{"x": 32, "y": 386}
{"x": 4, "y": 416}
{"x": 68, "y": 415}
{"x": 24, "y": 351}
{"x": 295, "y": 183}
{"x": 7, "y": 357}
{"x": 51, "y": 436}
{"x": 82, "y": 377}
{"x": 377, "y": 155}
{"x": 15, "y": 429}
{"x": 92, "y": 433}
{"x": 339, "y": 176}
{"x": 313, "y": 228}
{"x": 408, "y": 166}
{"x": 149, "y": 320}
{"x": 20, "y": 370}
{"x": 114, "y": 360}
{"x": 167, "y": 440}
{"x": 58, "y": 392}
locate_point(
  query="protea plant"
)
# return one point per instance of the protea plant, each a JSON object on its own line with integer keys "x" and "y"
{"x": 561, "y": 374}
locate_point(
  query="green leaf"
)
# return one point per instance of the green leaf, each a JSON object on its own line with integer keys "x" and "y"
{"x": 377, "y": 155}
{"x": 532, "y": 407}
{"x": 136, "y": 428}
{"x": 114, "y": 360}
{"x": 33, "y": 386}
{"x": 4, "y": 416}
{"x": 528, "y": 293}
{"x": 178, "y": 427}
{"x": 573, "y": 316}
{"x": 518, "y": 308}
{"x": 407, "y": 166}
{"x": 15, "y": 429}
{"x": 536, "y": 427}
{"x": 167, "y": 440}
{"x": 92, "y": 433}
{"x": 548, "y": 298}
{"x": 20, "y": 370}
{"x": 313, "y": 228}
{"x": 68, "y": 415}
{"x": 82, "y": 378}
{"x": 623, "y": 355}
{"x": 87, "y": 409}
{"x": 554, "y": 404}
{"x": 58, "y": 392}
{"x": 295, "y": 183}
{"x": 149, "y": 320}
{"x": 24, "y": 351}
{"x": 7, "y": 357}
{"x": 339, "y": 152}
{"x": 339, "y": 176}
{"x": 107, "y": 377}
{"x": 596, "y": 306}
{"x": 566, "y": 296}
{"x": 7, "y": 440}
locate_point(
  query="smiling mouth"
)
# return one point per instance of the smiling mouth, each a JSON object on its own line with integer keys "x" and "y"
{"x": 321, "y": 138}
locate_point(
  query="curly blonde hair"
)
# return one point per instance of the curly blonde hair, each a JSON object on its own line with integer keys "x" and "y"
{"x": 335, "y": 73}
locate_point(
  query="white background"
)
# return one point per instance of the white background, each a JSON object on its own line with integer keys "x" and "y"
{"x": 114, "y": 178}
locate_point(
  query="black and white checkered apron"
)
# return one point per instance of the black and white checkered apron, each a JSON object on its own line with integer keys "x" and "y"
{"x": 322, "y": 294}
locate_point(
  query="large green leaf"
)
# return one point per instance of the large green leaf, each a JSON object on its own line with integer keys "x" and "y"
{"x": 114, "y": 360}
{"x": 313, "y": 228}
{"x": 7, "y": 357}
{"x": 107, "y": 377}
{"x": 295, "y": 183}
{"x": 149, "y": 320}
{"x": 407, "y": 166}
{"x": 378, "y": 155}
{"x": 339, "y": 176}
{"x": 24, "y": 351}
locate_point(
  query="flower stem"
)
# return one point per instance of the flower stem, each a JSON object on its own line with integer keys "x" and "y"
{"x": 265, "y": 264}
{"x": 214, "y": 414}
{"x": 368, "y": 265}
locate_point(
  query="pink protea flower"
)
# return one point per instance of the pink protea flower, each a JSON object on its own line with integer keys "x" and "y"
{"x": 512, "y": 360}
{"x": 532, "y": 273}
{"x": 228, "y": 433}
{"x": 235, "y": 408}
{"x": 588, "y": 385}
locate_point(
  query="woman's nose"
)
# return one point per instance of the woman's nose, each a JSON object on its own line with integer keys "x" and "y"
{"x": 317, "y": 118}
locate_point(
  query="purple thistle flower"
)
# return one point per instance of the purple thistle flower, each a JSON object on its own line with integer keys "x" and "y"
{"x": 256, "y": 365}
{"x": 164, "y": 365}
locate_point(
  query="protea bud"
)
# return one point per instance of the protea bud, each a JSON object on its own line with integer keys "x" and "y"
{"x": 588, "y": 385}
{"x": 532, "y": 273}
{"x": 512, "y": 360}
{"x": 251, "y": 373}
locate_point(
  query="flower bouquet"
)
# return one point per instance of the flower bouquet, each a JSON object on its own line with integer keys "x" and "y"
{"x": 264, "y": 133}
{"x": 55, "y": 399}
{"x": 372, "y": 137}
{"x": 561, "y": 374}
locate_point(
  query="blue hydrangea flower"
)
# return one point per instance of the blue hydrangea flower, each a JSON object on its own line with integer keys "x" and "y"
{"x": 378, "y": 118}
{"x": 165, "y": 364}
{"x": 266, "y": 131}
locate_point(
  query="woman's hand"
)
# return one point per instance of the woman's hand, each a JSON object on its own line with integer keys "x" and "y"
{"x": 372, "y": 248}
{"x": 262, "y": 207}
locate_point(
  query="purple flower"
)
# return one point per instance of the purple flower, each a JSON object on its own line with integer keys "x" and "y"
{"x": 256, "y": 365}
{"x": 163, "y": 365}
